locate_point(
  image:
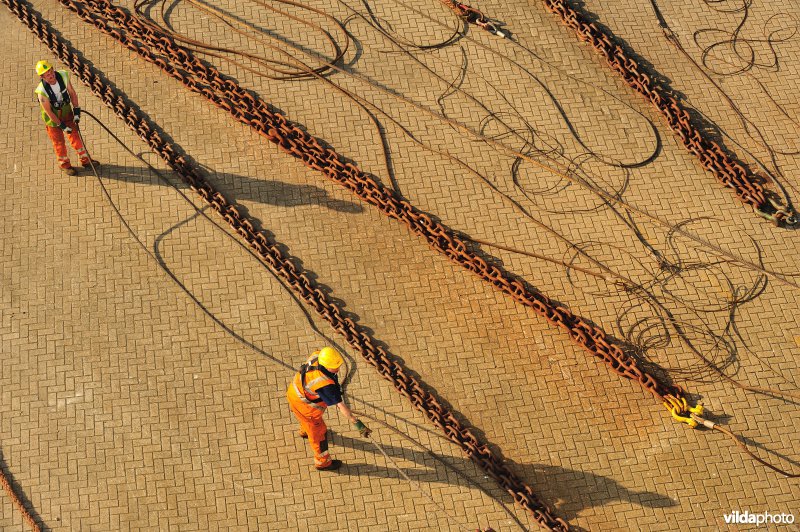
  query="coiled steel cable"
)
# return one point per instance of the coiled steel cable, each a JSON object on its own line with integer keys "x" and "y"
{"x": 182, "y": 59}
{"x": 279, "y": 68}
{"x": 675, "y": 402}
{"x": 610, "y": 276}
{"x": 296, "y": 147}
{"x": 720, "y": 162}
{"x": 607, "y": 274}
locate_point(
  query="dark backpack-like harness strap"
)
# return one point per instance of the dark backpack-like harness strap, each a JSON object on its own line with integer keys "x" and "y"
{"x": 305, "y": 368}
{"x": 62, "y": 87}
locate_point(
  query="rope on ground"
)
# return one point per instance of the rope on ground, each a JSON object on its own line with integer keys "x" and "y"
{"x": 185, "y": 60}
{"x": 621, "y": 282}
{"x": 296, "y": 144}
{"x": 693, "y": 419}
{"x": 255, "y": 112}
{"x": 16, "y": 500}
{"x": 697, "y": 418}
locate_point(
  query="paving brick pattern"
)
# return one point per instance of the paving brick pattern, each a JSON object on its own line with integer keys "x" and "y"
{"x": 126, "y": 407}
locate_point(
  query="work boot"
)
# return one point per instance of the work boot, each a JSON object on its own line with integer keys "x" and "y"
{"x": 69, "y": 170}
{"x": 89, "y": 162}
{"x": 333, "y": 466}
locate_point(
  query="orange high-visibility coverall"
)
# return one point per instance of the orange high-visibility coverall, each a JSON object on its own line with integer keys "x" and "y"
{"x": 308, "y": 407}
{"x": 57, "y": 137}
{"x": 65, "y": 114}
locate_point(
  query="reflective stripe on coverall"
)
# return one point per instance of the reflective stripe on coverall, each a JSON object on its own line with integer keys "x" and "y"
{"x": 65, "y": 114}
{"x": 308, "y": 407}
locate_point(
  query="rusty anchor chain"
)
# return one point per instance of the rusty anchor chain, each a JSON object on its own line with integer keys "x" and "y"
{"x": 356, "y": 335}
{"x": 474, "y": 16}
{"x": 730, "y": 172}
{"x": 252, "y": 110}
{"x": 17, "y": 497}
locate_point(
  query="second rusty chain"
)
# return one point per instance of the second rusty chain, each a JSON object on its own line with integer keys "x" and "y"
{"x": 730, "y": 172}
{"x": 253, "y": 111}
{"x": 474, "y": 16}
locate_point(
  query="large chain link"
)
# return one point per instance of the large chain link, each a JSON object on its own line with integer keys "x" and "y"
{"x": 473, "y": 16}
{"x": 270, "y": 251}
{"x": 713, "y": 158}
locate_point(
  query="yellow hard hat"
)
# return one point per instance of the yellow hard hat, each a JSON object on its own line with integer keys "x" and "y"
{"x": 42, "y": 67}
{"x": 330, "y": 358}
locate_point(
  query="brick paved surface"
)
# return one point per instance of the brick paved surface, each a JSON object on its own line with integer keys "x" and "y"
{"x": 126, "y": 407}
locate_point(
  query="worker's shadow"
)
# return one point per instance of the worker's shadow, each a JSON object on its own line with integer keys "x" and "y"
{"x": 243, "y": 188}
{"x": 566, "y": 491}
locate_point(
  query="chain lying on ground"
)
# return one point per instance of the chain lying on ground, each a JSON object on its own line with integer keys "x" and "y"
{"x": 162, "y": 264}
{"x": 300, "y": 144}
{"x": 473, "y": 16}
{"x": 270, "y": 252}
{"x": 17, "y": 501}
{"x": 713, "y": 158}
{"x": 249, "y": 109}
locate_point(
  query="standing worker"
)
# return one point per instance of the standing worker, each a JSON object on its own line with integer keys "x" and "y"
{"x": 313, "y": 389}
{"x": 61, "y": 114}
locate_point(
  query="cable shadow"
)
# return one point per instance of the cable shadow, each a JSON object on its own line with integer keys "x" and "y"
{"x": 265, "y": 191}
{"x": 562, "y": 484}
{"x": 747, "y": 440}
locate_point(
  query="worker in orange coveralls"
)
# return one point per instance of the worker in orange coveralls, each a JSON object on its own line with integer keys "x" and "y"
{"x": 61, "y": 114}
{"x": 312, "y": 390}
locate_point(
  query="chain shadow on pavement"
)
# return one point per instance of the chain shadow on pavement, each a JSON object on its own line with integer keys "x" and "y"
{"x": 244, "y": 188}
{"x": 567, "y": 491}
{"x": 560, "y": 484}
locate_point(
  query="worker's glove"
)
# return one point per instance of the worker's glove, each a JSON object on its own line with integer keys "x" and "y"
{"x": 361, "y": 428}
{"x": 64, "y": 127}
{"x": 77, "y": 112}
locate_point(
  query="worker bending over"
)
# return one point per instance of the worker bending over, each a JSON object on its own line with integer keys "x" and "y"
{"x": 313, "y": 389}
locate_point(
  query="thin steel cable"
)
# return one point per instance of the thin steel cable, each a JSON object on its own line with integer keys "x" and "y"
{"x": 559, "y": 169}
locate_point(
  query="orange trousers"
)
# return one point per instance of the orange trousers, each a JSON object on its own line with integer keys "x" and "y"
{"x": 312, "y": 424}
{"x": 57, "y": 136}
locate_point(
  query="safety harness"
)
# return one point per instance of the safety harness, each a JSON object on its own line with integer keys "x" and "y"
{"x": 62, "y": 87}
{"x": 305, "y": 368}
